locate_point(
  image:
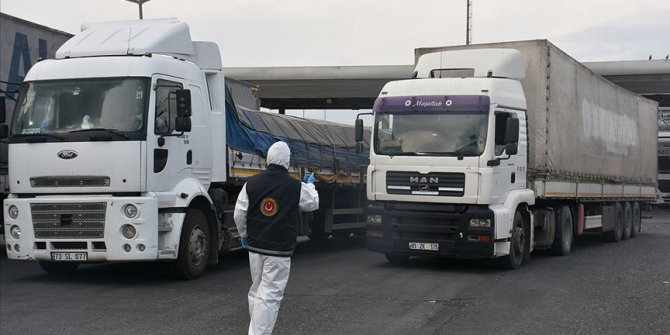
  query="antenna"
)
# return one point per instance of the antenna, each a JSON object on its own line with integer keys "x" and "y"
{"x": 468, "y": 23}
{"x": 139, "y": 3}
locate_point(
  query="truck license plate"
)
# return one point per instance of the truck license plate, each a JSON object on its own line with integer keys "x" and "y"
{"x": 69, "y": 256}
{"x": 424, "y": 246}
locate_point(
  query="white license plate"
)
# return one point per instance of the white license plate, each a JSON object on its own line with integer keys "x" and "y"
{"x": 69, "y": 256}
{"x": 424, "y": 246}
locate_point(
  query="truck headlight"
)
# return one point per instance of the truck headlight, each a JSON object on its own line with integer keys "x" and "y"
{"x": 13, "y": 212}
{"x": 128, "y": 231}
{"x": 480, "y": 223}
{"x": 15, "y": 231}
{"x": 375, "y": 219}
{"x": 130, "y": 211}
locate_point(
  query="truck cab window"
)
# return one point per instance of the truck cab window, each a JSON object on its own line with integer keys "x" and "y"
{"x": 166, "y": 106}
{"x": 501, "y": 127}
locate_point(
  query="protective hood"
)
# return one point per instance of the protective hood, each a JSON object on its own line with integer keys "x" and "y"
{"x": 279, "y": 154}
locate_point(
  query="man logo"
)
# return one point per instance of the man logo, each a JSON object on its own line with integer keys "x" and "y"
{"x": 424, "y": 180}
{"x": 67, "y": 154}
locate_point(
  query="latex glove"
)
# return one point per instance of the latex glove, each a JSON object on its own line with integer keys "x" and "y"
{"x": 245, "y": 242}
{"x": 308, "y": 178}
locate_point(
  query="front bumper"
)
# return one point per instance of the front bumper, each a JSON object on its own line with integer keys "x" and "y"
{"x": 445, "y": 225}
{"x": 82, "y": 224}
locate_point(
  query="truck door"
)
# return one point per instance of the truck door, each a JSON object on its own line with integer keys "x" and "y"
{"x": 169, "y": 153}
{"x": 511, "y": 173}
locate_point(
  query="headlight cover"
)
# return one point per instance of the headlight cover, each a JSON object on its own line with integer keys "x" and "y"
{"x": 128, "y": 231}
{"x": 480, "y": 223}
{"x": 13, "y": 212}
{"x": 130, "y": 211}
{"x": 15, "y": 231}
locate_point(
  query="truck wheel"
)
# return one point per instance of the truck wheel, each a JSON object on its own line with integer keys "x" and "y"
{"x": 563, "y": 237}
{"x": 615, "y": 234}
{"x": 517, "y": 244}
{"x": 193, "y": 247}
{"x": 627, "y": 221}
{"x": 637, "y": 220}
{"x": 60, "y": 269}
{"x": 397, "y": 258}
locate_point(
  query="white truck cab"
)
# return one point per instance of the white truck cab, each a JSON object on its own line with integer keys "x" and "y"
{"x": 111, "y": 153}
{"x": 491, "y": 152}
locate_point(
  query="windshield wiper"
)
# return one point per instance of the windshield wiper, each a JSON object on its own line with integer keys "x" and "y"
{"x": 104, "y": 131}
{"x": 400, "y": 153}
{"x": 38, "y": 138}
{"x": 437, "y": 153}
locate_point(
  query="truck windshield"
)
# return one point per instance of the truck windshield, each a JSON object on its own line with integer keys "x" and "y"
{"x": 69, "y": 109}
{"x": 430, "y": 134}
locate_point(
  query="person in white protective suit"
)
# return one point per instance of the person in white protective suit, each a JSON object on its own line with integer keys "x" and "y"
{"x": 267, "y": 214}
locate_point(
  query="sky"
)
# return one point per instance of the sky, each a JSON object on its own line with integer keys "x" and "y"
{"x": 376, "y": 32}
{"x": 379, "y": 32}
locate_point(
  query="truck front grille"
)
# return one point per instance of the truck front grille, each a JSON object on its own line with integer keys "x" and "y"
{"x": 69, "y": 220}
{"x": 70, "y": 181}
{"x": 434, "y": 183}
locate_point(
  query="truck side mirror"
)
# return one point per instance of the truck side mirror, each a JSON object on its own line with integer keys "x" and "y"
{"x": 3, "y": 110}
{"x": 359, "y": 130}
{"x": 182, "y": 124}
{"x": 511, "y": 130}
{"x": 183, "y": 103}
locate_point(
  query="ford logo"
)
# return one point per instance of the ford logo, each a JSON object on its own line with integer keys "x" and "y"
{"x": 67, "y": 154}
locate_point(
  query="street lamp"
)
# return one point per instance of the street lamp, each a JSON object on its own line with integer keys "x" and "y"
{"x": 140, "y": 3}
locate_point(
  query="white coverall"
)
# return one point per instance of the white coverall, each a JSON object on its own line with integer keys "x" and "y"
{"x": 269, "y": 274}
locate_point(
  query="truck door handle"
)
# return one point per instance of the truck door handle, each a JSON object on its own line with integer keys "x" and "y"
{"x": 513, "y": 178}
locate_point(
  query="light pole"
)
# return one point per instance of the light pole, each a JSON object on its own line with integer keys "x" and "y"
{"x": 468, "y": 23}
{"x": 139, "y": 3}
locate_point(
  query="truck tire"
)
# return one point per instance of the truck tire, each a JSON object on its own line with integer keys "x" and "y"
{"x": 59, "y": 269}
{"x": 193, "y": 247}
{"x": 637, "y": 220}
{"x": 615, "y": 234}
{"x": 564, "y": 232}
{"x": 627, "y": 221}
{"x": 397, "y": 258}
{"x": 518, "y": 244}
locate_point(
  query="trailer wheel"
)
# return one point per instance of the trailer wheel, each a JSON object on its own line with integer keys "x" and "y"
{"x": 397, "y": 258}
{"x": 59, "y": 269}
{"x": 518, "y": 246}
{"x": 637, "y": 220}
{"x": 563, "y": 237}
{"x": 627, "y": 221}
{"x": 193, "y": 247}
{"x": 615, "y": 234}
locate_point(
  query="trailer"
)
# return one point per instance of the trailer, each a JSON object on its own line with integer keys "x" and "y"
{"x": 129, "y": 146}
{"x": 496, "y": 150}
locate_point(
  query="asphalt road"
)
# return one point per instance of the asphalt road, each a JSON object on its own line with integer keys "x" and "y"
{"x": 338, "y": 287}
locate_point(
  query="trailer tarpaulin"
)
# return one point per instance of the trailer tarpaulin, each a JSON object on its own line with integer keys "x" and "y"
{"x": 313, "y": 143}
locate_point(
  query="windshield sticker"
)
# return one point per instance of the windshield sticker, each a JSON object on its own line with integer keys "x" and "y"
{"x": 31, "y": 131}
{"x": 433, "y": 104}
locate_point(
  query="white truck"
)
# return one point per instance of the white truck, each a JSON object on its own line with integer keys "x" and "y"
{"x": 129, "y": 147}
{"x": 496, "y": 150}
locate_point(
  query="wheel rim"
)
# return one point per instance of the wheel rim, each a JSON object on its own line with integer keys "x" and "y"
{"x": 567, "y": 233}
{"x": 197, "y": 246}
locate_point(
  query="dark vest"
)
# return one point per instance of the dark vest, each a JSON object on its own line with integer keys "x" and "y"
{"x": 273, "y": 214}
